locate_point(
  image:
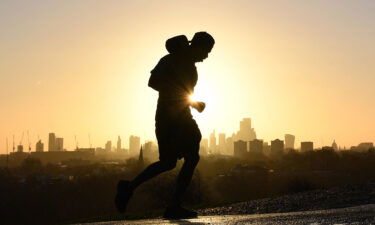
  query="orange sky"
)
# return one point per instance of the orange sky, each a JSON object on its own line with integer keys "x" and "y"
{"x": 299, "y": 67}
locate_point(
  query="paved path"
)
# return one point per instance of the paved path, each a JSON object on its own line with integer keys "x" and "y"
{"x": 364, "y": 214}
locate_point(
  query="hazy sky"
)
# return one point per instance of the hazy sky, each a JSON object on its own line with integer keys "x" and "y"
{"x": 79, "y": 67}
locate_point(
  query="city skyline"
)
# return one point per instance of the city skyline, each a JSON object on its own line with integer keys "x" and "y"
{"x": 79, "y": 68}
{"x": 215, "y": 143}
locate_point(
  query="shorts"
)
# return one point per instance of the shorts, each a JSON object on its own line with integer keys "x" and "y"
{"x": 177, "y": 137}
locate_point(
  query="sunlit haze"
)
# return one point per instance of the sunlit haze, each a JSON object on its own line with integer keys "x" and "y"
{"x": 82, "y": 67}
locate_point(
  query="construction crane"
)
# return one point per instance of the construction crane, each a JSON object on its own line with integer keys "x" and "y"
{"x": 75, "y": 138}
{"x": 28, "y": 140}
{"x": 90, "y": 141}
{"x": 14, "y": 147}
{"x": 22, "y": 138}
{"x": 7, "y": 152}
{"x": 20, "y": 146}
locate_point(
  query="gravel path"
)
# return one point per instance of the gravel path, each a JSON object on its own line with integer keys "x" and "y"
{"x": 358, "y": 215}
{"x": 340, "y": 197}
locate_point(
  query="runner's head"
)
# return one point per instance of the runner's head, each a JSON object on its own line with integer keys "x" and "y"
{"x": 201, "y": 44}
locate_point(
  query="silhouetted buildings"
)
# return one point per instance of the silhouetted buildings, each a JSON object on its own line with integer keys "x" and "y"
{"x": 277, "y": 146}
{"x": 365, "y": 146}
{"x": 39, "y": 146}
{"x": 246, "y": 132}
{"x": 327, "y": 148}
{"x": 289, "y": 141}
{"x": 20, "y": 148}
{"x": 150, "y": 150}
{"x": 55, "y": 143}
{"x": 212, "y": 142}
{"x": 203, "y": 147}
{"x": 256, "y": 146}
{"x": 108, "y": 146}
{"x": 334, "y": 145}
{"x": 266, "y": 148}
{"x": 229, "y": 146}
{"x": 221, "y": 146}
{"x": 51, "y": 142}
{"x": 118, "y": 144}
{"x": 240, "y": 148}
{"x": 59, "y": 144}
{"x": 307, "y": 146}
{"x": 134, "y": 144}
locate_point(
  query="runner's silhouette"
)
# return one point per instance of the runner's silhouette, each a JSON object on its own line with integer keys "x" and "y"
{"x": 178, "y": 135}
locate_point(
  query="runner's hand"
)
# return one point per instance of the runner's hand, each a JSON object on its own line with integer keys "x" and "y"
{"x": 199, "y": 106}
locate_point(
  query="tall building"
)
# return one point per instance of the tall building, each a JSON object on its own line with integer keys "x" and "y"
{"x": 134, "y": 144}
{"x": 39, "y": 147}
{"x": 147, "y": 149}
{"x": 51, "y": 142}
{"x": 277, "y": 146}
{"x": 240, "y": 148}
{"x": 212, "y": 142}
{"x": 108, "y": 146}
{"x": 118, "y": 144}
{"x": 59, "y": 144}
{"x": 222, "y": 146}
{"x": 246, "y": 132}
{"x": 204, "y": 146}
{"x": 245, "y": 124}
{"x": 289, "y": 141}
{"x": 204, "y": 143}
{"x": 229, "y": 146}
{"x": 256, "y": 145}
{"x": 307, "y": 146}
{"x": 266, "y": 148}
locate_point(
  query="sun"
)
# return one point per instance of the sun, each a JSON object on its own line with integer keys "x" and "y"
{"x": 203, "y": 93}
{"x": 193, "y": 98}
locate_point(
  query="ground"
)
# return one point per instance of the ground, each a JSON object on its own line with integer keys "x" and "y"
{"x": 347, "y": 204}
{"x": 364, "y": 214}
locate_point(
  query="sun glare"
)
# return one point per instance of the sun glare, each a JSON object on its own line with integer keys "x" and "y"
{"x": 203, "y": 93}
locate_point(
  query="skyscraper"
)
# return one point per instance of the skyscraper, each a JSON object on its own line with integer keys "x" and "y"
{"x": 222, "y": 146}
{"x": 134, "y": 144}
{"x": 147, "y": 149}
{"x": 39, "y": 147}
{"x": 307, "y": 146}
{"x": 59, "y": 144}
{"x": 108, "y": 146}
{"x": 277, "y": 146}
{"x": 229, "y": 146}
{"x": 51, "y": 142}
{"x": 118, "y": 144}
{"x": 289, "y": 141}
{"x": 256, "y": 145}
{"x": 240, "y": 148}
{"x": 246, "y": 133}
{"x": 213, "y": 141}
{"x": 204, "y": 146}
